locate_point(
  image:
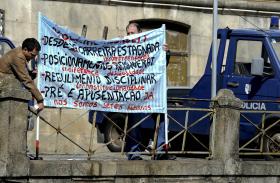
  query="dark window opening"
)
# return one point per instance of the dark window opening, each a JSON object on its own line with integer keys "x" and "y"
{"x": 177, "y": 40}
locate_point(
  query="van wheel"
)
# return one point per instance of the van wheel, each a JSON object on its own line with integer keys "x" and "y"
{"x": 272, "y": 146}
{"x": 113, "y": 134}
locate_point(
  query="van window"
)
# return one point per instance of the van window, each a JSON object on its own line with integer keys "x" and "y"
{"x": 246, "y": 51}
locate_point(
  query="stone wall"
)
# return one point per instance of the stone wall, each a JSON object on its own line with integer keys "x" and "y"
{"x": 224, "y": 166}
{"x": 21, "y": 19}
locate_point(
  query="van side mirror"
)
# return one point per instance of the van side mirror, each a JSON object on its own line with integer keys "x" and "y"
{"x": 257, "y": 67}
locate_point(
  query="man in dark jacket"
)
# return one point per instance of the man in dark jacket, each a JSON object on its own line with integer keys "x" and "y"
{"x": 15, "y": 63}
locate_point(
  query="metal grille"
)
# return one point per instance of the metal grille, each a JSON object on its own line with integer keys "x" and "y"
{"x": 2, "y": 22}
{"x": 183, "y": 134}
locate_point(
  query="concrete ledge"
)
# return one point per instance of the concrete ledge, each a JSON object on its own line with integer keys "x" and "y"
{"x": 260, "y": 168}
{"x": 202, "y": 168}
{"x": 124, "y": 168}
{"x": 14, "y": 93}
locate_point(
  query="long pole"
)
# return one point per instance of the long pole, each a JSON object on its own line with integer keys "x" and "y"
{"x": 214, "y": 68}
{"x": 214, "y": 50}
{"x": 37, "y": 142}
{"x": 166, "y": 131}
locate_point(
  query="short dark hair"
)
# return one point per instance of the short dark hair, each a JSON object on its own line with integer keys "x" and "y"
{"x": 134, "y": 24}
{"x": 30, "y": 44}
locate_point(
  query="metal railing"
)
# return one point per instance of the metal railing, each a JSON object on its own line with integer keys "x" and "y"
{"x": 262, "y": 136}
{"x": 185, "y": 125}
{"x": 257, "y": 144}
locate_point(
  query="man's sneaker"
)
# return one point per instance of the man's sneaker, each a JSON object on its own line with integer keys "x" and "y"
{"x": 136, "y": 158}
{"x": 165, "y": 157}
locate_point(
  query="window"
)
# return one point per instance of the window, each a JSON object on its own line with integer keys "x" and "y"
{"x": 248, "y": 50}
{"x": 225, "y": 55}
{"x": 177, "y": 40}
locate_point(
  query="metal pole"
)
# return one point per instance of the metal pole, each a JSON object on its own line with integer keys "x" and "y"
{"x": 154, "y": 151}
{"x": 214, "y": 50}
{"x": 125, "y": 134}
{"x": 166, "y": 131}
{"x": 214, "y": 69}
{"x": 37, "y": 145}
{"x": 90, "y": 151}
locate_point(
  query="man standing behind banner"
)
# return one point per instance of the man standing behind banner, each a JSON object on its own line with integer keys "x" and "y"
{"x": 135, "y": 136}
{"x": 15, "y": 63}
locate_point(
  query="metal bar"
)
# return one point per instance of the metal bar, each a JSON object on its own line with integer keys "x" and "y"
{"x": 214, "y": 50}
{"x": 119, "y": 128}
{"x": 194, "y": 123}
{"x": 264, "y": 101}
{"x": 113, "y": 140}
{"x": 199, "y": 142}
{"x": 125, "y": 132}
{"x": 210, "y": 100}
{"x": 273, "y": 140}
{"x": 250, "y": 149}
{"x": 110, "y": 120}
{"x": 262, "y": 128}
{"x": 74, "y": 120}
{"x": 263, "y": 132}
{"x": 59, "y": 131}
{"x": 256, "y": 126}
{"x": 166, "y": 123}
{"x": 188, "y": 99}
{"x": 187, "y": 152}
{"x": 272, "y": 125}
{"x": 138, "y": 123}
{"x": 185, "y": 132}
{"x": 172, "y": 152}
{"x": 174, "y": 137}
{"x": 105, "y": 144}
{"x": 69, "y": 123}
{"x": 190, "y": 109}
{"x": 212, "y": 139}
{"x": 155, "y": 137}
{"x": 37, "y": 142}
{"x": 249, "y": 142}
{"x": 90, "y": 152}
{"x": 185, "y": 129}
{"x": 200, "y": 119}
{"x": 259, "y": 153}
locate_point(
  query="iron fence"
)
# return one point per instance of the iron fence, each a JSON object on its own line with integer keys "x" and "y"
{"x": 263, "y": 140}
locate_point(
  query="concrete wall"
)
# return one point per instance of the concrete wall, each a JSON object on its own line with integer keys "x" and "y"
{"x": 224, "y": 166}
{"x": 21, "y": 19}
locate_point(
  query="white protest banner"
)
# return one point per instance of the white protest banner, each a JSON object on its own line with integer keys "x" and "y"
{"x": 119, "y": 75}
